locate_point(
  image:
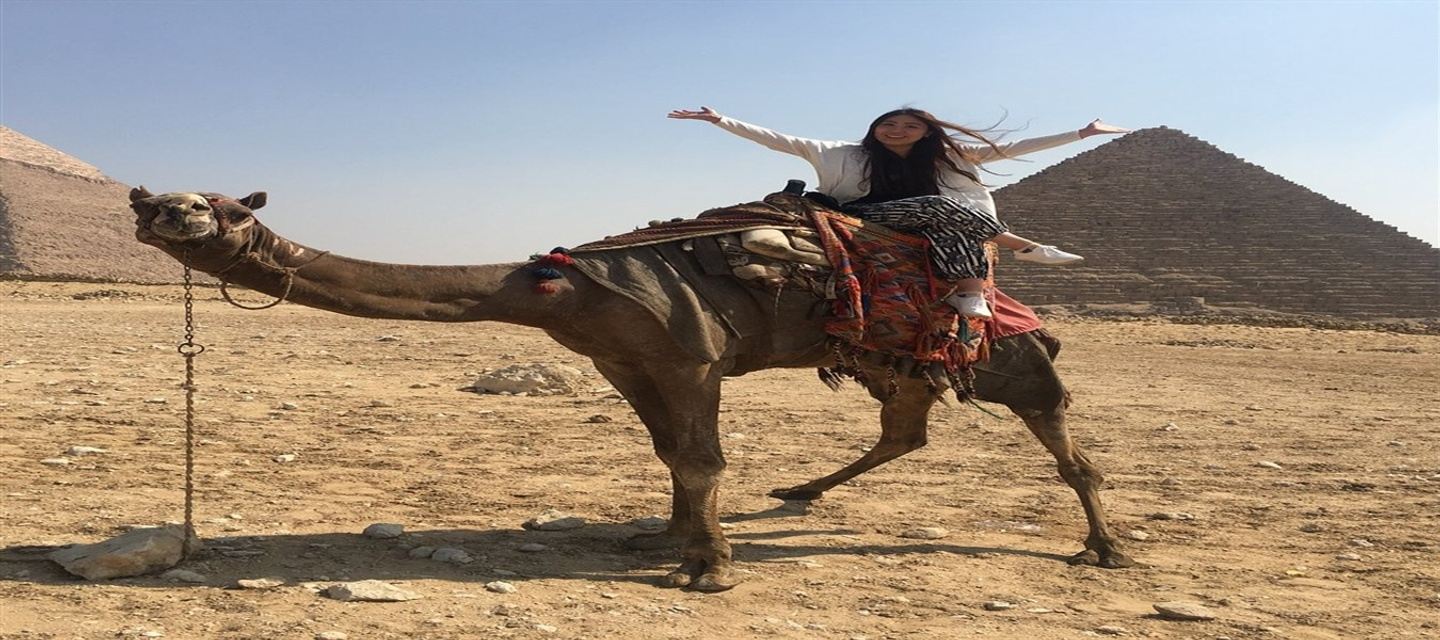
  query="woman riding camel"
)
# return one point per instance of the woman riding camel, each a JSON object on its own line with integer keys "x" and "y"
{"x": 910, "y": 174}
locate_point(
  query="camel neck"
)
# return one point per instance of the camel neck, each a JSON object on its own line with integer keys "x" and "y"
{"x": 460, "y": 293}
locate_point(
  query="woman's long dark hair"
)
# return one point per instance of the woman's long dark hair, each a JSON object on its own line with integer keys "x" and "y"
{"x": 918, "y": 173}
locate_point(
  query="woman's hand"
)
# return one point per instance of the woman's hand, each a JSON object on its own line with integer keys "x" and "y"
{"x": 1096, "y": 128}
{"x": 705, "y": 113}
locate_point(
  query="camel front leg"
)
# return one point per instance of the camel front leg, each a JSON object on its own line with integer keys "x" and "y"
{"x": 680, "y": 406}
{"x": 903, "y": 425}
{"x": 1101, "y": 547}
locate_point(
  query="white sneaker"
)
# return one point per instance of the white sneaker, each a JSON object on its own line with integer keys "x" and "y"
{"x": 970, "y": 305}
{"x": 1046, "y": 254}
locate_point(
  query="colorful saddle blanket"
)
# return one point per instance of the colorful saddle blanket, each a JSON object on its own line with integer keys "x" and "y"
{"x": 882, "y": 296}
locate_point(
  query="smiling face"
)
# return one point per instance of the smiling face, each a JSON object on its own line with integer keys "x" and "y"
{"x": 900, "y": 132}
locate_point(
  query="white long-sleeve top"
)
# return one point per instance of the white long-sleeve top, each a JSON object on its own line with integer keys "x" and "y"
{"x": 841, "y": 165}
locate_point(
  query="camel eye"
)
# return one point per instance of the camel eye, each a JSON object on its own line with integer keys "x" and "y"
{"x": 199, "y": 206}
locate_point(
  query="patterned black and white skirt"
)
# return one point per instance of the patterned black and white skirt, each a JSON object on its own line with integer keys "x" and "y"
{"x": 957, "y": 230}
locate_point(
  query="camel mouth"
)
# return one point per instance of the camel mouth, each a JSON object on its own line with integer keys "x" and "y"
{"x": 174, "y": 217}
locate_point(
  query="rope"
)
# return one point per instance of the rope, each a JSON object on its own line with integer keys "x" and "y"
{"x": 189, "y": 349}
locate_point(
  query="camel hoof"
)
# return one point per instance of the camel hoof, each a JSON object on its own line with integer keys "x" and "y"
{"x": 715, "y": 581}
{"x": 653, "y": 541}
{"x": 676, "y": 579}
{"x": 1109, "y": 560}
{"x": 796, "y": 493}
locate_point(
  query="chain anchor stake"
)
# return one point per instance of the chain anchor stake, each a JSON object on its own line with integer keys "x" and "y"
{"x": 189, "y": 349}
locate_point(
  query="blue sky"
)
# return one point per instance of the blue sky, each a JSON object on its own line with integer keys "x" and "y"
{"x": 464, "y": 132}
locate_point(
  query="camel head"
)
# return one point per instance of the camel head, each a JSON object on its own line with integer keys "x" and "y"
{"x": 194, "y": 222}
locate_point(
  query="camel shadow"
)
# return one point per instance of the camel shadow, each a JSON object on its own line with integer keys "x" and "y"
{"x": 592, "y": 553}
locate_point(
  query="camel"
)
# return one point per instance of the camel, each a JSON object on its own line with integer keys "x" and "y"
{"x": 675, "y": 395}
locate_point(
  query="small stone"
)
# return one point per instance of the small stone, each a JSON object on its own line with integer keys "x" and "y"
{"x": 1362, "y": 543}
{"x": 369, "y": 591}
{"x": 184, "y": 575}
{"x": 421, "y": 553}
{"x": 998, "y": 605}
{"x": 1268, "y": 465}
{"x": 289, "y": 406}
{"x": 533, "y": 547}
{"x": 332, "y": 635}
{"x": 1250, "y": 446}
{"x": 599, "y": 418}
{"x": 1170, "y": 426}
{"x": 1180, "y": 610}
{"x": 79, "y": 450}
{"x": 378, "y": 404}
{"x": 499, "y": 586}
{"x": 56, "y": 462}
{"x": 1312, "y": 527}
{"x": 157, "y": 400}
{"x": 451, "y": 555}
{"x": 284, "y": 458}
{"x": 1137, "y": 535}
{"x": 925, "y": 533}
{"x": 388, "y": 339}
{"x": 1347, "y": 556}
{"x": 545, "y": 628}
{"x": 384, "y": 530}
{"x": 1171, "y": 515}
{"x": 554, "y": 520}
{"x": 1111, "y": 630}
{"x": 259, "y": 584}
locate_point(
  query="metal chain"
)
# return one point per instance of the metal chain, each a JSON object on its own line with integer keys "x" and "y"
{"x": 189, "y": 349}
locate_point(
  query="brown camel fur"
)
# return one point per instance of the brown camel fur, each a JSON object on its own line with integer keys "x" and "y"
{"x": 675, "y": 395}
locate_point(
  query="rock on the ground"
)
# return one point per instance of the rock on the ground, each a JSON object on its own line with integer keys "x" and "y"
{"x": 384, "y": 530}
{"x": 81, "y": 450}
{"x": 133, "y": 553}
{"x": 1136, "y": 534}
{"x": 369, "y": 591}
{"x": 452, "y": 555}
{"x": 554, "y": 520}
{"x": 259, "y": 584}
{"x": 1181, "y": 610}
{"x": 332, "y": 635}
{"x": 536, "y": 379}
{"x": 1268, "y": 465}
{"x": 499, "y": 586}
{"x": 56, "y": 462}
{"x": 421, "y": 552}
{"x": 1112, "y": 630}
{"x": 998, "y": 605}
{"x": 184, "y": 575}
{"x": 925, "y": 533}
{"x": 533, "y": 547}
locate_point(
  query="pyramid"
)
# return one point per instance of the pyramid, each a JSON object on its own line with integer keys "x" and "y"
{"x": 62, "y": 219}
{"x": 1165, "y": 218}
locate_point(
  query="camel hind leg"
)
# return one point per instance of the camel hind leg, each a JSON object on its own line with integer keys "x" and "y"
{"x": 1020, "y": 375}
{"x": 903, "y": 426}
{"x": 1101, "y": 547}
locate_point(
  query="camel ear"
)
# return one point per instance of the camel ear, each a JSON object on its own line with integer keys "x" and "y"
{"x": 254, "y": 201}
{"x": 140, "y": 193}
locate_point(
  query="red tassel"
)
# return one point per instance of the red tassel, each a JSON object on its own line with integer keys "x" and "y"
{"x": 557, "y": 260}
{"x": 546, "y": 287}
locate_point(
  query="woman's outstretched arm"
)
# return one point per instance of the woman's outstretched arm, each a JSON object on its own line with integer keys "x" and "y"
{"x": 803, "y": 147}
{"x": 984, "y": 153}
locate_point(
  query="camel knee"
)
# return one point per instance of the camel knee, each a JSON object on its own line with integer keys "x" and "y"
{"x": 1081, "y": 473}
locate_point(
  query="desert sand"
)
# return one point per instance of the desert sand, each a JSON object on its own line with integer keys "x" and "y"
{"x": 1287, "y": 479}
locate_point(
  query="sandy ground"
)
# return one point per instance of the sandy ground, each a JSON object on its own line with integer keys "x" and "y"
{"x": 1341, "y": 541}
